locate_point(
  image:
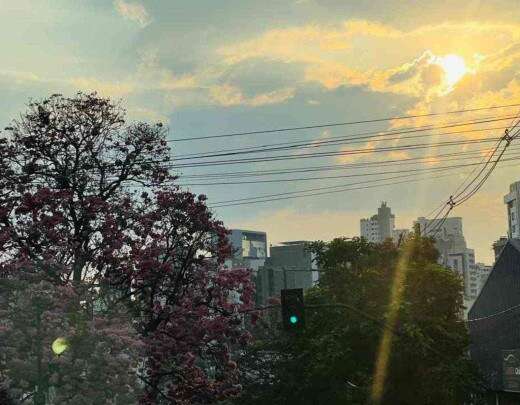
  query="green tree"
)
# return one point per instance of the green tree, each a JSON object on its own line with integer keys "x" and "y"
{"x": 367, "y": 293}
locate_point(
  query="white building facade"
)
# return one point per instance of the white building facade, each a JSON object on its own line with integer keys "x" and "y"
{"x": 512, "y": 201}
{"x": 453, "y": 251}
{"x": 379, "y": 227}
{"x": 249, "y": 249}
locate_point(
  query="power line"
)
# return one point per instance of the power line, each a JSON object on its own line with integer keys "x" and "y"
{"x": 454, "y": 201}
{"x": 422, "y": 145}
{"x": 347, "y": 141}
{"x": 220, "y": 183}
{"x": 332, "y": 189}
{"x": 391, "y": 162}
{"x": 493, "y": 315}
{"x": 342, "y": 139}
{"x": 337, "y": 124}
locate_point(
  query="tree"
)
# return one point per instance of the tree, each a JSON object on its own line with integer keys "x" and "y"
{"x": 88, "y": 202}
{"x": 333, "y": 361}
{"x": 100, "y": 351}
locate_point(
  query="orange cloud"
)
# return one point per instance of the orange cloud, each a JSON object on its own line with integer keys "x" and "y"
{"x": 228, "y": 95}
{"x": 105, "y": 88}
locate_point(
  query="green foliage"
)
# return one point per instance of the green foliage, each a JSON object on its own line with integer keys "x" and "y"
{"x": 333, "y": 360}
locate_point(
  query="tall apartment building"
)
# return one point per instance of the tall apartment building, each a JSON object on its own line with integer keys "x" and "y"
{"x": 290, "y": 265}
{"x": 380, "y": 226}
{"x": 512, "y": 201}
{"x": 249, "y": 249}
{"x": 453, "y": 251}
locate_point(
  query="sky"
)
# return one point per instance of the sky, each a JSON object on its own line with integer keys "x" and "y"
{"x": 208, "y": 68}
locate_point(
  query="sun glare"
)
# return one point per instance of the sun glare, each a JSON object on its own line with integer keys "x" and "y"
{"x": 454, "y": 68}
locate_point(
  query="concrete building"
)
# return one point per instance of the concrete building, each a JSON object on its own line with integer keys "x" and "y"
{"x": 249, "y": 249}
{"x": 499, "y": 245}
{"x": 512, "y": 201}
{"x": 482, "y": 275}
{"x": 453, "y": 251}
{"x": 291, "y": 265}
{"x": 477, "y": 277}
{"x": 379, "y": 227}
{"x": 400, "y": 235}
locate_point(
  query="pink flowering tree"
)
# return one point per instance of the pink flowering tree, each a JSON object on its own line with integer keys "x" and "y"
{"x": 87, "y": 203}
{"x": 55, "y": 351}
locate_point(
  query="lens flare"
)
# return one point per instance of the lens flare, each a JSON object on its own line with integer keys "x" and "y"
{"x": 385, "y": 344}
{"x": 60, "y": 345}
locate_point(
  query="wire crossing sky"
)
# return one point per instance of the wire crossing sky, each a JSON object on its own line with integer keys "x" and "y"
{"x": 304, "y": 89}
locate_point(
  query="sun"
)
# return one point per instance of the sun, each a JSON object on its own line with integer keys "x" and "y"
{"x": 454, "y": 68}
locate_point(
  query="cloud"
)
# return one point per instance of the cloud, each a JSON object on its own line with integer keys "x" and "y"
{"x": 133, "y": 11}
{"x": 141, "y": 113}
{"x": 344, "y": 55}
{"x": 20, "y": 77}
{"x": 371, "y": 28}
{"x": 298, "y": 44}
{"x": 408, "y": 70}
{"x": 105, "y": 88}
{"x": 228, "y": 95}
{"x": 351, "y": 158}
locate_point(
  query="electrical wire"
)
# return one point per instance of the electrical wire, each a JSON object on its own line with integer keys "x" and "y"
{"x": 416, "y": 146}
{"x": 343, "y": 139}
{"x": 298, "y": 179}
{"x": 437, "y": 158}
{"x": 337, "y": 124}
{"x": 333, "y": 189}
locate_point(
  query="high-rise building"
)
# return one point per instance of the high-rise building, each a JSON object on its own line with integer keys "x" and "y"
{"x": 379, "y": 227}
{"x": 453, "y": 251}
{"x": 291, "y": 265}
{"x": 249, "y": 249}
{"x": 512, "y": 201}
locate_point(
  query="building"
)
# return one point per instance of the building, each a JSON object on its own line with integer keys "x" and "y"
{"x": 512, "y": 201}
{"x": 499, "y": 245}
{"x": 477, "y": 277}
{"x": 480, "y": 276}
{"x": 494, "y": 322}
{"x": 290, "y": 265}
{"x": 249, "y": 249}
{"x": 453, "y": 251}
{"x": 400, "y": 235}
{"x": 379, "y": 227}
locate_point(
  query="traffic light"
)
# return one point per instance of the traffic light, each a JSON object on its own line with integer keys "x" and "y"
{"x": 293, "y": 309}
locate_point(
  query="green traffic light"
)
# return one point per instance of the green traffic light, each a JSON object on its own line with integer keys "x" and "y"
{"x": 293, "y": 319}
